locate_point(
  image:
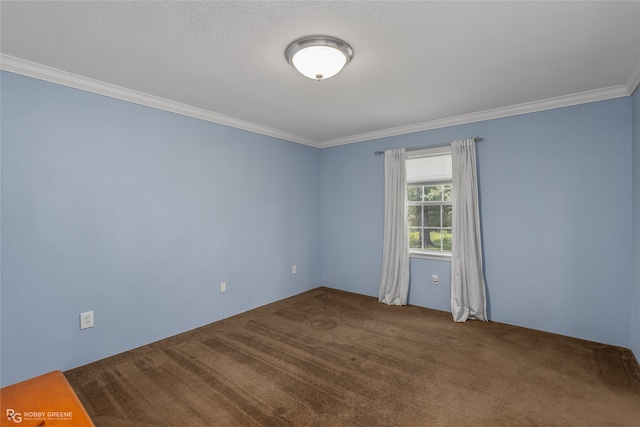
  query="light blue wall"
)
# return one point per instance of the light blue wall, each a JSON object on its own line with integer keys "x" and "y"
{"x": 555, "y": 214}
{"x": 138, "y": 214}
{"x": 635, "y": 299}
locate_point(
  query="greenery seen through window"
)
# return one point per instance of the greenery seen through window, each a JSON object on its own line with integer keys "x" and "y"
{"x": 430, "y": 218}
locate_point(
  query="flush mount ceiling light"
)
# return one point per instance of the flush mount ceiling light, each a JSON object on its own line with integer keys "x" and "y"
{"x": 318, "y": 57}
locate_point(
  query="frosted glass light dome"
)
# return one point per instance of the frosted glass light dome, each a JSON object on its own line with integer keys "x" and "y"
{"x": 318, "y": 57}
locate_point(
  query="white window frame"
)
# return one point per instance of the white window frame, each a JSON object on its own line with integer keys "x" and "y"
{"x": 439, "y": 151}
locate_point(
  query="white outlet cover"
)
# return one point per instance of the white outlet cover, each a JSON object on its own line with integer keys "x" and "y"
{"x": 86, "y": 320}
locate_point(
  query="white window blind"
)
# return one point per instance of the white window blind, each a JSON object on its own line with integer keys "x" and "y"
{"x": 431, "y": 168}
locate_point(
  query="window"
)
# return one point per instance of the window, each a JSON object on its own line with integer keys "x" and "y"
{"x": 429, "y": 194}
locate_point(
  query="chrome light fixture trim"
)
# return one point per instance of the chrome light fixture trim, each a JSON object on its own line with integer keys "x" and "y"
{"x": 327, "y": 56}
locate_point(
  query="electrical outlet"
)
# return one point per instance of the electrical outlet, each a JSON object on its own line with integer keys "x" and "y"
{"x": 434, "y": 279}
{"x": 294, "y": 269}
{"x": 223, "y": 286}
{"x": 86, "y": 320}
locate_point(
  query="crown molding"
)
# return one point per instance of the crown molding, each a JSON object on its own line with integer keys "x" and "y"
{"x": 497, "y": 113}
{"x": 42, "y": 72}
{"x": 65, "y": 78}
{"x": 634, "y": 77}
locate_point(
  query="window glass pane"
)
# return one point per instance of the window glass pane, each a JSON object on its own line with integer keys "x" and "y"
{"x": 437, "y": 239}
{"x": 415, "y": 216}
{"x": 432, "y": 216}
{"x": 446, "y": 192}
{"x": 415, "y": 238}
{"x": 433, "y": 193}
{"x": 432, "y": 239}
{"x": 414, "y": 194}
{"x": 446, "y": 240}
{"x": 446, "y": 216}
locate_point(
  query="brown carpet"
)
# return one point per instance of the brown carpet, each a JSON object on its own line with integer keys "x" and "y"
{"x": 332, "y": 358}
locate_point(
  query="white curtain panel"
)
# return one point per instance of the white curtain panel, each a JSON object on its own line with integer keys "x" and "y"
{"x": 468, "y": 295}
{"x": 394, "y": 285}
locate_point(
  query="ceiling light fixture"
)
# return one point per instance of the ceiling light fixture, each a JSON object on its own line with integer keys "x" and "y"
{"x": 318, "y": 57}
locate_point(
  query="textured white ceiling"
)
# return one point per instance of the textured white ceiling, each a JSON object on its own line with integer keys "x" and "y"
{"x": 417, "y": 64}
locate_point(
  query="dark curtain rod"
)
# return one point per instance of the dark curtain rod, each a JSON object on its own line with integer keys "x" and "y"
{"x": 476, "y": 139}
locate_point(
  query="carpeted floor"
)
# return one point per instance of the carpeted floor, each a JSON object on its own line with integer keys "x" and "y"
{"x": 332, "y": 358}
